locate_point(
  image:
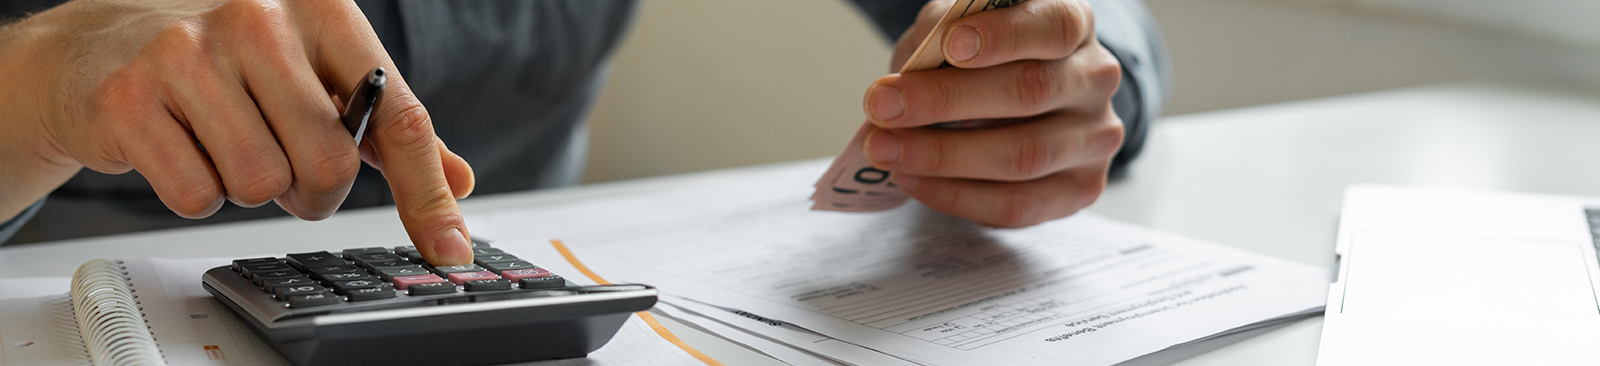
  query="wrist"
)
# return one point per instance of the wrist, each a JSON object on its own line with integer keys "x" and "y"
{"x": 32, "y": 161}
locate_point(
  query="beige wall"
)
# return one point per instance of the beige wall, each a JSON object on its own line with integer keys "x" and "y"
{"x": 704, "y": 84}
{"x": 1230, "y": 53}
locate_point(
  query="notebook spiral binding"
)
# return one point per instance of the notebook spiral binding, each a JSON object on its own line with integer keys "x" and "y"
{"x": 109, "y": 317}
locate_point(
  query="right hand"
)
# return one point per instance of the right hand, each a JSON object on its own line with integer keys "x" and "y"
{"x": 135, "y": 84}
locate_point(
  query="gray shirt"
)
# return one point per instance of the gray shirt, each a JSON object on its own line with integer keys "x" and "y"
{"x": 508, "y": 84}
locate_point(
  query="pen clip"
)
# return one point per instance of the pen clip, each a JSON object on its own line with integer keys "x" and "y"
{"x": 358, "y": 108}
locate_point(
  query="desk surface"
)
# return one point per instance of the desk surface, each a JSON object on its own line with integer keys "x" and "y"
{"x": 1268, "y": 179}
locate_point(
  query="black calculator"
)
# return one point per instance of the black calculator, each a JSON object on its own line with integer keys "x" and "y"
{"x": 378, "y": 306}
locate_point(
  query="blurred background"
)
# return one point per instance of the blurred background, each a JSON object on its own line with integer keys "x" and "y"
{"x": 702, "y": 84}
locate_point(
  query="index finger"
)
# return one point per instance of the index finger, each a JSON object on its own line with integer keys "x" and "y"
{"x": 1032, "y": 30}
{"x": 401, "y": 133}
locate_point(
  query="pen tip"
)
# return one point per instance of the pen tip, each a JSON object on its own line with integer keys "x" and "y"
{"x": 377, "y": 77}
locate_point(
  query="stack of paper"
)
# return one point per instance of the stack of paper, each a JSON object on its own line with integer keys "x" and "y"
{"x": 913, "y": 286}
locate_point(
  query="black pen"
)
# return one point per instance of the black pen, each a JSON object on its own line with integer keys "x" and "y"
{"x": 358, "y": 109}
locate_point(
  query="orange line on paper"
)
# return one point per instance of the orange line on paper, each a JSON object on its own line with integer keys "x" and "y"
{"x": 643, "y": 315}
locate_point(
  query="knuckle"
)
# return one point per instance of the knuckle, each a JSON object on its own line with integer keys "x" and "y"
{"x": 926, "y": 153}
{"x": 1011, "y": 37}
{"x": 118, "y": 93}
{"x": 261, "y": 25}
{"x": 942, "y": 197}
{"x": 1033, "y": 156}
{"x": 941, "y": 102}
{"x": 180, "y": 46}
{"x": 433, "y": 206}
{"x": 195, "y": 201}
{"x": 409, "y": 127}
{"x": 262, "y": 185}
{"x": 1036, "y": 86}
{"x": 1108, "y": 139}
{"x": 1104, "y": 74}
{"x": 1076, "y": 21}
{"x": 1017, "y": 211}
{"x": 331, "y": 170}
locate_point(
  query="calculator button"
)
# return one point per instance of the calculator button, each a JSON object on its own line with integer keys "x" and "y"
{"x": 238, "y": 264}
{"x": 519, "y": 274}
{"x": 488, "y": 285}
{"x": 543, "y": 282}
{"x": 286, "y": 291}
{"x": 352, "y": 276}
{"x": 414, "y": 270}
{"x": 300, "y": 301}
{"x": 459, "y": 278}
{"x": 465, "y": 268}
{"x": 376, "y": 257}
{"x": 352, "y": 253}
{"x": 260, "y": 276}
{"x": 273, "y": 285}
{"x": 344, "y": 287}
{"x": 484, "y": 260}
{"x": 486, "y": 251}
{"x": 414, "y": 257}
{"x": 381, "y": 265}
{"x": 314, "y": 259}
{"x": 370, "y": 293}
{"x": 252, "y": 269}
{"x": 409, "y": 253}
{"x": 433, "y": 288}
{"x": 479, "y": 243}
{"x": 401, "y": 282}
{"x": 506, "y": 266}
{"x": 328, "y": 270}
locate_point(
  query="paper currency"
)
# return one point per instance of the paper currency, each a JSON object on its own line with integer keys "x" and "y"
{"x": 852, "y": 184}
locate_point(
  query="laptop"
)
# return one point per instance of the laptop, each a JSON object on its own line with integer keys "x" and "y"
{"x": 1434, "y": 276}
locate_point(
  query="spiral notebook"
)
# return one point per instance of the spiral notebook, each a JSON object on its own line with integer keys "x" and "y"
{"x": 128, "y": 312}
{"x": 154, "y": 311}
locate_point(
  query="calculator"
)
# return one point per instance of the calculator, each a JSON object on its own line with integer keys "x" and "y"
{"x": 377, "y": 306}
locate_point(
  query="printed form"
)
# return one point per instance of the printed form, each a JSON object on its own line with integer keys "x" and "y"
{"x": 930, "y": 288}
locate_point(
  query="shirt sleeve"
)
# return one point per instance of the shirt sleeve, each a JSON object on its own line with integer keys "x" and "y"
{"x": 1125, "y": 27}
{"x": 10, "y": 227}
{"x": 1129, "y": 31}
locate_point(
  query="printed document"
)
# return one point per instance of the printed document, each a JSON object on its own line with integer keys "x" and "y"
{"x": 926, "y": 287}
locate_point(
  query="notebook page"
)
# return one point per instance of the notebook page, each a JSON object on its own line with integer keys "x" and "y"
{"x": 40, "y": 330}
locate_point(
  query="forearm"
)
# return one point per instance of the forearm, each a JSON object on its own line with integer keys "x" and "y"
{"x": 31, "y": 163}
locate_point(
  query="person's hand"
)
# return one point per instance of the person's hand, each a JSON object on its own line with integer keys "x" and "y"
{"x": 1033, "y": 88}
{"x": 217, "y": 99}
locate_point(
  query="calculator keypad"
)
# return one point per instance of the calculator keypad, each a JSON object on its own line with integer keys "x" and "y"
{"x": 376, "y": 273}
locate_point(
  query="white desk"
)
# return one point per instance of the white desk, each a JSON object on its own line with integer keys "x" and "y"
{"x": 1267, "y": 179}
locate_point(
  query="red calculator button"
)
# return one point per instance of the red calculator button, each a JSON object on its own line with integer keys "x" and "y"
{"x": 463, "y": 277}
{"x": 518, "y": 274}
{"x": 401, "y": 282}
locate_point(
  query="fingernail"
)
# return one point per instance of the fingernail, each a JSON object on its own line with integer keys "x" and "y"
{"x": 883, "y": 147}
{"x": 885, "y": 102}
{"x": 452, "y": 248}
{"x": 905, "y": 182}
{"x": 963, "y": 44}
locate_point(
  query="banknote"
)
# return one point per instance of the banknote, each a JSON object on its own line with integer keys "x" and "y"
{"x": 851, "y": 183}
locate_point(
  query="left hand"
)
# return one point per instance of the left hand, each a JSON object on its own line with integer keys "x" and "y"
{"x": 1036, "y": 82}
